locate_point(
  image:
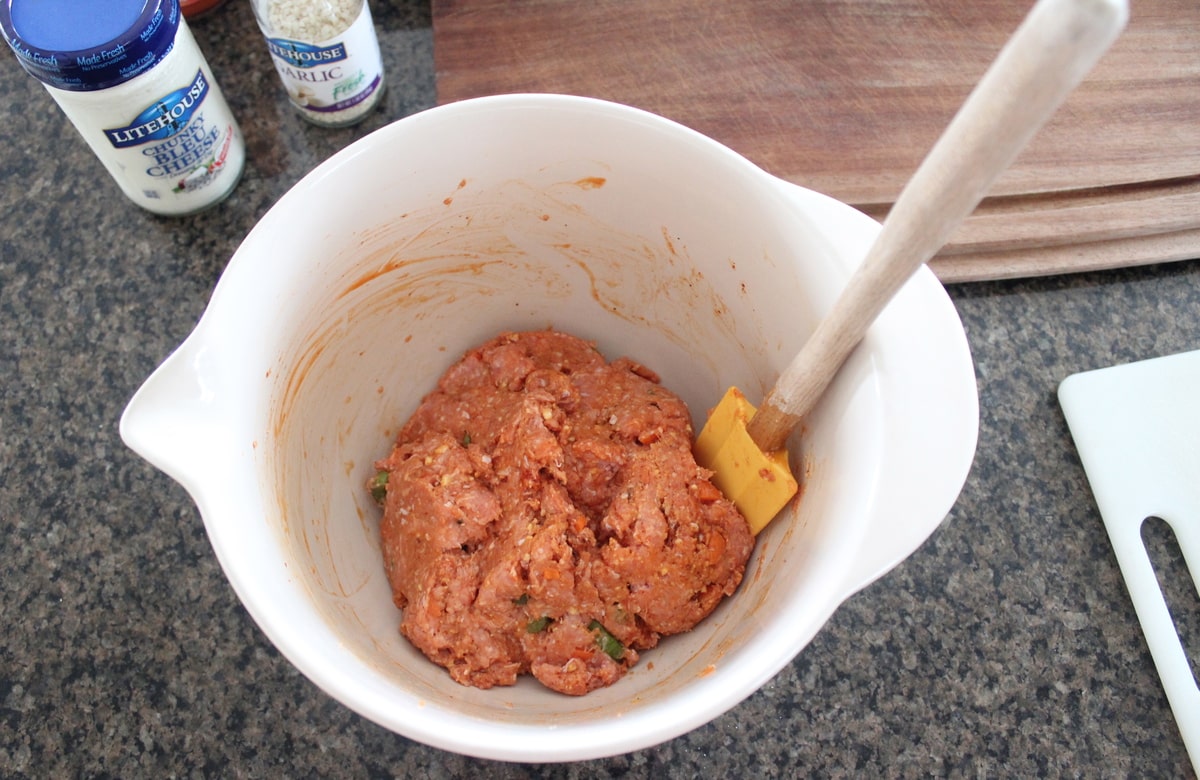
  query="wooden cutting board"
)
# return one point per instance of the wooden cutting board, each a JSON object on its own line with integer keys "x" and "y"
{"x": 847, "y": 96}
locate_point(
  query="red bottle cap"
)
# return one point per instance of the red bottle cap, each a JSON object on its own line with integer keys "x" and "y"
{"x": 194, "y": 8}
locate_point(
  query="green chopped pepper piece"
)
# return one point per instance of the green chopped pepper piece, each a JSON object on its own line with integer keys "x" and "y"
{"x": 611, "y": 646}
{"x": 539, "y": 625}
{"x": 379, "y": 486}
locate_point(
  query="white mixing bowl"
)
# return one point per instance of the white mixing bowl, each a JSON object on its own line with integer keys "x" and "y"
{"x": 374, "y": 273}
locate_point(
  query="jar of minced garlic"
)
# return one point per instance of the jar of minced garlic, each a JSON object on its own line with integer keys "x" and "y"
{"x": 327, "y": 56}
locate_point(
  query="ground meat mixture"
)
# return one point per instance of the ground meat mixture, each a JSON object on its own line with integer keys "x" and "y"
{"x": 544, "y": 514}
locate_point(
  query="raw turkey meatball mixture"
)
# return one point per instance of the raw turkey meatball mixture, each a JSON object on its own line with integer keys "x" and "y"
{"x": 544, "y": 514}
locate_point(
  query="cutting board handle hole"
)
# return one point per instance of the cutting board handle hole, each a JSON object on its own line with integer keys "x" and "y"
{"x": 1177, "y": 584}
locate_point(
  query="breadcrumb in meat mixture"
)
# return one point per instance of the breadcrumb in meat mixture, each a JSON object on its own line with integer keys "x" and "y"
{"x": 544, "y": 514}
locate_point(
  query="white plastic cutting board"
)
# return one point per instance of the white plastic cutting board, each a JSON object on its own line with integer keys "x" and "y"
{"x": 1137, "y": 429}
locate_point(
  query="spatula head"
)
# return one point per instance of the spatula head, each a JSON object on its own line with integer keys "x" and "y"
{"x": 758, "y": 483}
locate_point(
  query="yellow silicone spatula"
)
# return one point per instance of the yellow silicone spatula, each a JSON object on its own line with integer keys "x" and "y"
{"x": 1050, "y": 53}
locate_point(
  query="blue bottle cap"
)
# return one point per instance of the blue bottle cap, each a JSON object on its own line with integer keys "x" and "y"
{"x": 86, "y": 45}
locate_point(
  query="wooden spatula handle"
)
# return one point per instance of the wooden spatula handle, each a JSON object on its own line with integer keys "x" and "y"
{"x": 1050, "y": 53}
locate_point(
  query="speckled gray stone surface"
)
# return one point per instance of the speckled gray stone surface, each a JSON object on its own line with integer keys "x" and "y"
{"x": 1006, "y": 646}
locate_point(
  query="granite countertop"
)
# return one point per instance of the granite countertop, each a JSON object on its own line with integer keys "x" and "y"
{"x": 1006, "y": 646}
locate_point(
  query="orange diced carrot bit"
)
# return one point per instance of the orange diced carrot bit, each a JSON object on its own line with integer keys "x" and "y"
{"x": 707, "y": 492}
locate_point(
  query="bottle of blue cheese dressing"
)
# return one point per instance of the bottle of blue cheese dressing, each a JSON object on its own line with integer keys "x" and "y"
{"x": 131, "y": 79}
{"x": 327, "y": 55}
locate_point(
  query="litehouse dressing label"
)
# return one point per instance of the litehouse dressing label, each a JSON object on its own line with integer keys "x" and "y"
{"x": 176, "y": 140}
